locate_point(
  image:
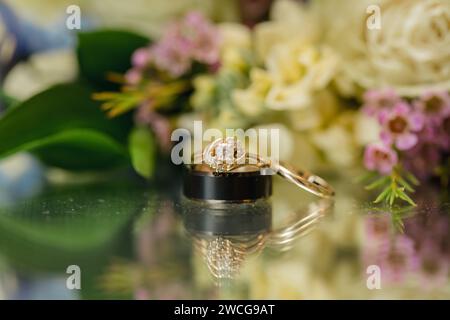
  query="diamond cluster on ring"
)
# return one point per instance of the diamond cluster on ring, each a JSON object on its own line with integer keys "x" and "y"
{"x": 223, "y": 154}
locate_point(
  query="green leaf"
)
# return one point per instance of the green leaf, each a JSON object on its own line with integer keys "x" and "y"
{"x": 143, "y": 151}
{"x": 411, "y": 178}
{"x": 402, "y": 195}
{"x": 102, "y": 52}
{"x": 369, "y": 175}
{"x": 405, "y": 184}
{"x": 79, "y": 149}
{"x": 377, "y": 183}
{"x": 66, "y": 128}
{"x": 397, "y": 221}
{"x": 391, "y": 196}
{"x": 383, "y": 195}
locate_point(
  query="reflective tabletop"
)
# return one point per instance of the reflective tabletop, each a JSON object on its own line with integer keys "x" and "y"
{"x": 120, "y": 238}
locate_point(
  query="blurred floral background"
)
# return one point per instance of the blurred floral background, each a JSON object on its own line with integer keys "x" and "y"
{"x": 358, "y": 89}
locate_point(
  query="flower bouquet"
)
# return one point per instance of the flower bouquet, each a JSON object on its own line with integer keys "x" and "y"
{"x": 377, "y": 98}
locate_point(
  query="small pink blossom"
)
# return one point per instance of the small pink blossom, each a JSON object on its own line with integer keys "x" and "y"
{"x": 133, "y": 76}
{"x": 140, "y": 58}
{"x": 185, "y": 41}
{"x": 172, "y": 55}
{"x": 193, "y": 38}
{"x": 206, "y": 48}
{"x": 400, "y": 126}
{"x": 379, "y": 100}
{"x": 435, "y": 106}
{"x": 204, "y": 37}
{"x": 380, "y": 158}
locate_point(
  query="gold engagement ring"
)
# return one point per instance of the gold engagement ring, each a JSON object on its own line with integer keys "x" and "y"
{"x": 227, "y": 155}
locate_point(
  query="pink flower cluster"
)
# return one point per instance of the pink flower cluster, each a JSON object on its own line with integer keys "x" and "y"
{"x": 415, "y": 132}
{"x": 191, "y": 39}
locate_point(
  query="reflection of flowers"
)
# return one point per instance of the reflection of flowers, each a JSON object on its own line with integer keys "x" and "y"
{"x": 377, "y": 227}
{"x": 152, "y": 276}
{"x": 433, "y": 265}
{"x": 420, "y": 254}
{"x": 397, "y": 258}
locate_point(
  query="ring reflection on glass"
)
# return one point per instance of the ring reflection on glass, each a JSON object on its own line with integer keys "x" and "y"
{"x": 228, "y": 156}
{"x": 225, "y": 235}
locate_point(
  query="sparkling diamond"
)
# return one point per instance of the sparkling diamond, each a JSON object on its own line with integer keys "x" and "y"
{"x": 224, "y": 154}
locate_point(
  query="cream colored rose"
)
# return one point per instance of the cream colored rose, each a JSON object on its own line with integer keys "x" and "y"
{"x": 288, "y": 47}
{"x": 289, "y": 20}
{"x": 250, "y": 101}
{"x": 236, "y": 46}
{"x": 298, "y": 71}
{"x": 410, "y": 53}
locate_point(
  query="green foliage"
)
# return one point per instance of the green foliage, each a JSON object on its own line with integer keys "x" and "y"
{"x": 393, "y": 187}
{"x": 79, "y": 149}
{"x": 66, "y": 128}
{"x": 107, "y": 51}
{"x": 142, "y": 151}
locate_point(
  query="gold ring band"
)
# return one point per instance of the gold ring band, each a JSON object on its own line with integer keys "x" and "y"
{"x": 227, "y": 156}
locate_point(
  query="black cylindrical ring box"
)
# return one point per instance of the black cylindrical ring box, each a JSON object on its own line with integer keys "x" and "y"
{"x": 230, "y": 186}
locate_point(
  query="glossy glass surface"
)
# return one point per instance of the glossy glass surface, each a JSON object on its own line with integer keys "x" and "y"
{"x": 145, "y": 242}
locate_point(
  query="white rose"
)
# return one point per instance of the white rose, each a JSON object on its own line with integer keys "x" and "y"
{"x": 410, "y": 53}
